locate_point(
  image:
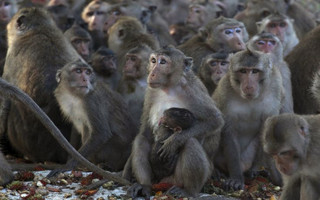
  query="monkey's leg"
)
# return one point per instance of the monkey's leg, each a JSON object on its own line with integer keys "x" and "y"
{"x": 189, "y": 172}
{"x": 141, "y": 167}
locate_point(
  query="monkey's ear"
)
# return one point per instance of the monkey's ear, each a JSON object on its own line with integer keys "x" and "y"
{"x": 58, "y": 76}
{"x": 188, "y": 62}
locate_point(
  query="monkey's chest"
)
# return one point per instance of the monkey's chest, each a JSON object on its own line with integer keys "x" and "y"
{"x": 161, "y": 103}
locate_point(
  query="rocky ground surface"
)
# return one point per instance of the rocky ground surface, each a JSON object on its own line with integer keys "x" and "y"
{"x": 33, "y": 185}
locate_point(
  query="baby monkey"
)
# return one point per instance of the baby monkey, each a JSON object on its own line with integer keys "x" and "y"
{"x": 173, "y": 121}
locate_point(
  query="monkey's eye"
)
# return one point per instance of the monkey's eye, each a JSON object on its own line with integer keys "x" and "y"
{"x": 133, "y": 58}
{"x": 76, "y": 41}
{"x": 196, "y": 10}
{"x": 223, "y": 63}
{"x": 261, "y": 42}
{"x": 272, "y": 25}
{"x": 153, "y": 60}
{"x": 238, "y": 30}
{"x": 228, "y": 31}
{"x": 283, "y": 24}
{"x": 163, "y": 61}
{"x": 302, "y": 128}
{"x": 213, "y": 63}
{"x": 78, "y": 70}
{"x": 88, "y": 72}
{"x": 89, "y": 14}
{"x": 272, "y": 42}
{"x": 100, "y": 12}
{"x": 243, "y": 71}
{"x": 255, "y": 71}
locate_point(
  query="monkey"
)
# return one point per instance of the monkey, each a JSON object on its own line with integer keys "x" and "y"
{"x": 10, "y": 91}
{"x": 221, "y": 34}
{"x": 62, "y": 15}
{"x": 7, "y": 9}
{"x": 147, "y": 14}
{"x": 126, "y": 34}
{"x": 303, "y": 62}
{"x": 173, "y": 12}
{"x": 281, "y": 26}
{"x": 172, "y": 83}
{"x": 231, "y": 7}
{"x": 257, "y": 10}
{"x": 249, "y": 93}
{"x": 97, "y": 113}
{"x": 213, "y": 67}
{"x": 104, "y": 63}
{"x": 94, "y": 14}
{"x": 36, "y": 50}
{"x": 269, "y": 43}
{"x": 173, "y": 121}
{"x": 134, "y": 80}
{"x": 81, "y": 40}
{"x": 293, "y": 142}
{"x": 200, "y": 13}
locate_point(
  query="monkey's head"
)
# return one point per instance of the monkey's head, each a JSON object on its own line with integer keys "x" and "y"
{"x": 76, "y": 77}
{"x": 250, "y": 73}
{"x": 214, "y": 66}
{"x": 7, "y": 9}
{"x": 29, "y": 19}
{"x": 104, "y": 61}
{"x": 225, "y": 34}
{"x": 136, "y": 62}
{"x": 286, "y": 138}
{"x": 267, "y": 43}
{"x": 167, "y": 67}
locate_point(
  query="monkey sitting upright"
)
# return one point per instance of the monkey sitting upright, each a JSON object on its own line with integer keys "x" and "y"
{"x": 173, "y": 121}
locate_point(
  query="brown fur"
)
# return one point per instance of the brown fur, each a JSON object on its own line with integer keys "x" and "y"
{"x": 293, "y": 141}
{"x": 303, "y": 62}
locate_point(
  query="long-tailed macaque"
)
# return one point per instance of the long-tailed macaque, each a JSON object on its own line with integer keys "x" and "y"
{"x": 269, "y": 43}
{"x": 293, "y": 141}
{"x": 172, "y": 83}
{"x": 250, "y": 92}
{"x": 281, "y": 26}
{"x": 97, "y": 113}
{"x": 213, "y": 67}
{"x": 221, "y": 34}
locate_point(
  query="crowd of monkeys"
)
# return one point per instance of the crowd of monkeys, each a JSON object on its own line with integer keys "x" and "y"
{"x": 173, "y": 91}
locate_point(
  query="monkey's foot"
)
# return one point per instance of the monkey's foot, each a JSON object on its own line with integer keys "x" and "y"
{"x": 177, "y": 192}
{"x": 234, "y": 184}
{"x": 138, "y": 190}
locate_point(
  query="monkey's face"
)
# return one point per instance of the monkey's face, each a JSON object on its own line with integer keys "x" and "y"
{"x": 217, "y": 68}
{"x": 131, "y": 69}
{"x": 6, "y": 11}
{"x": 285, "y": 138}
{"x": 196, "y": 16}
{"x": 160, "y": 69}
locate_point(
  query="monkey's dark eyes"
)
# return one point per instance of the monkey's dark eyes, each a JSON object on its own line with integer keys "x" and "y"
{"x": 76, "y": 41}
{"x": 163, "y": 61}
{"x": 88, "y": 72}
{"x": 79, "y": 71}
{"x": 243, "y": 71}
{"x": 153, "y": 60}
{"x": 302, "y": 128}
{"x": 254, "y": 71}
{"x": 133, "y": 58}
{"x": 213, "y": 63}
{"x": 197, "y": 11}
{"x": 272, "y": 25}
{"x": 283, "y": 24}
{"x": 238, "y": 30}
{"x": 89, "y": 14}
{"x": 228, "y": 31}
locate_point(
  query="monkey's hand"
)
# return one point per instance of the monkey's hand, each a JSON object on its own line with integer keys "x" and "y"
{"x": 138, "y": 190}
{"x": 170, "y": 147}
